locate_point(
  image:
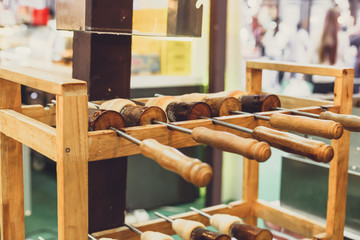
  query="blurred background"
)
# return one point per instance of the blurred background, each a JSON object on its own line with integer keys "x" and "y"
{"x": 301, "y": 31}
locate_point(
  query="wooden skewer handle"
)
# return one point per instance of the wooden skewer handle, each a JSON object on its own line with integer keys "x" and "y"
{"x": 249, "y": 232}
{"x": 322, "y": 128}
{"x": 191, "y": 169}
{"x": 315, "y": 150}
{"x": 349, "y": 122}
{"x": 185, "y": 228}
{"x": 234, "y": 226}
{"x": 250, "y": 148}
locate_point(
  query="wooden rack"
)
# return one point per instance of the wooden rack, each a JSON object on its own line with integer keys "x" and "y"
{"x": 71, "y": 146}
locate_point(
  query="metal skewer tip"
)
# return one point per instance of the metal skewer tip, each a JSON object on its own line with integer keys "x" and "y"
{"x": 91, "y": 237}
{"x": 201, "y": 212}
{"x": 133, "y": 229}
{"x": 164, "y": 217}
{"x": 171, "y": 126}
{"x": 126, "y": 136}
{"x": 138, "y": 102}
{"x": 229, "y": 125}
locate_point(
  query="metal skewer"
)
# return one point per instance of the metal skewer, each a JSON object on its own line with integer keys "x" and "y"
{"x": 133, "y": 229}
{"x": 306, "y": 114}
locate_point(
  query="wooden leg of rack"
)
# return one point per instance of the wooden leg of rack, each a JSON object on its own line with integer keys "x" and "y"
{"x": 250, "y": 187}
{"x": 72, "y": 167}
{"x": 11, "y": 171}
{"x": 12, "y": 189}
{"x": 338, "y": 173}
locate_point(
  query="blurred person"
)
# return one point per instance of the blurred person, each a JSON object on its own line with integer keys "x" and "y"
{"x": 334, "y": 49}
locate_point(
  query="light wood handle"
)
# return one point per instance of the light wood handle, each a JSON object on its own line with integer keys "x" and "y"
{"x": 150, "y": 235}
{"x": 349, "y": 122}
{"x": 250, "y": 148}
{"x": 191, "y": 169}
{"x": 185, "y": 228}
{"x": 322, "y": 128}
{"x": 315, "y": 150}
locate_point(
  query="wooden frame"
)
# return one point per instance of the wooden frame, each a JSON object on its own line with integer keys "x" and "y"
{"x": 71, "y": 146}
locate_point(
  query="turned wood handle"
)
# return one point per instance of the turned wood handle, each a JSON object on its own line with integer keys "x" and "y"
{"x": 235, "y": 227}
{"x": 322, "y": 128}
{"x": 349, "y": 122}
{"x": 249, "y": 148}
{"x": 315, "y": 150}
{"x": 191, "y": 169}
{"x": 185, "y": 228}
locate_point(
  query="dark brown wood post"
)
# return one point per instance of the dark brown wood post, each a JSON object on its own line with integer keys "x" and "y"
{"x": 217, "y": 50}
{"x": 104, "y": 61}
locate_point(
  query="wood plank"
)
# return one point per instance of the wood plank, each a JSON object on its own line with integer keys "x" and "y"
{"x": 11, "y": 171}
{"x": 292, "y": 221}
{"x": 72, "y": 166}
{"x": 39, "y": 113}
{"x": 30, "y": 132}
{"x": 296, "y": 67}
{"x": 239, "y": 209}
{"x": 338, "y": 173}
{"x": 43, "y": 81}
{"x": 106, "y": 144}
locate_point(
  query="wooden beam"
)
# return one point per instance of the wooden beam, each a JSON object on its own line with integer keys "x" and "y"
{"x": 25, "y": 129}
{"x": 239, "y": 209}
{"x": 72, "y": 166}
{"x": 292, "y": 221}
{"x": 43, "y": 81}
{"x": 11, "y": 171}
{"x": 296, "y": 68}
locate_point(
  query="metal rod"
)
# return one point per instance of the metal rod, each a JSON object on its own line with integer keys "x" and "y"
{"x": 312, "y": 115}
{"x": 138, "y": 102}
{"x": 91, "y": 237}
{"x": 133, "y": 229}
{"x": 201, "y": 212}
{"x": 253, "y": 114}
{"x": 229, "y": 125}
{"x": 126, "y": 136}
{"x": 171, "y": 126}
{"x": 159, "y": 95}
{"x": 164, "y": 217}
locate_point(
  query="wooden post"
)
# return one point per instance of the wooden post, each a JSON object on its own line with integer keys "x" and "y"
{"x": 72, "y": 164}
{"x": 251, "y": 168}
{"x": 217, "y": 59}
{"x": 338, "y": 173}
{"x": 11, "y": 171}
